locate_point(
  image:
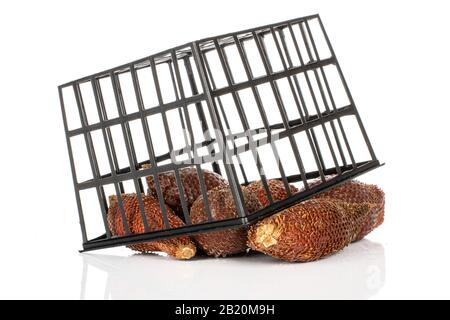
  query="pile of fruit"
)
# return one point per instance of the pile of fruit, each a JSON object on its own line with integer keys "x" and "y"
{"x": 307, "y": 231}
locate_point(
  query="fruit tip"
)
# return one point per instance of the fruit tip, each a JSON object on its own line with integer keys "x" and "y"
{"x": 267, "y": 234}
{"x": 112, "y": 200}
{"x": 185, "y": 252}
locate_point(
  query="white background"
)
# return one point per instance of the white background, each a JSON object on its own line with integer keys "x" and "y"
{"x": 394, "y": 55}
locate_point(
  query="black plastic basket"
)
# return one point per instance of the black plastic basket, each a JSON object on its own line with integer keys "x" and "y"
{"x": 274, "y": 95}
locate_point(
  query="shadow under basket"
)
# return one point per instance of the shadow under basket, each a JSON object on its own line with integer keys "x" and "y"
{"x": 264, "y": 103}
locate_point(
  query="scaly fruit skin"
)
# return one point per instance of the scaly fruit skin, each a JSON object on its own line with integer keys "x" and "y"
{"x": 180, "y": 247}
{"x": 355, "y": 192}
{"x": 307, "y": 231}
{"x": 114, "y": 216}
{"x": 190, "y": 183}
{"x": 222, "y": 205}
{"x": 276, "y": 188}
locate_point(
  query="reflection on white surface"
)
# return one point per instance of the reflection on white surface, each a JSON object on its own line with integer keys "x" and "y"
{"x": 358, "y": 272}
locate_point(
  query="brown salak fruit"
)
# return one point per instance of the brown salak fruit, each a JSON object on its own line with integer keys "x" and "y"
{"x": 114, "y": 216}
{"x": 190, "y": 183}
{"x": 180, "y": 247}
{"x": 222, "y": 206}
{"x": 308, "y": 231}
{"x": 276, "y": 188}
{"x": 355, "y": 192}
